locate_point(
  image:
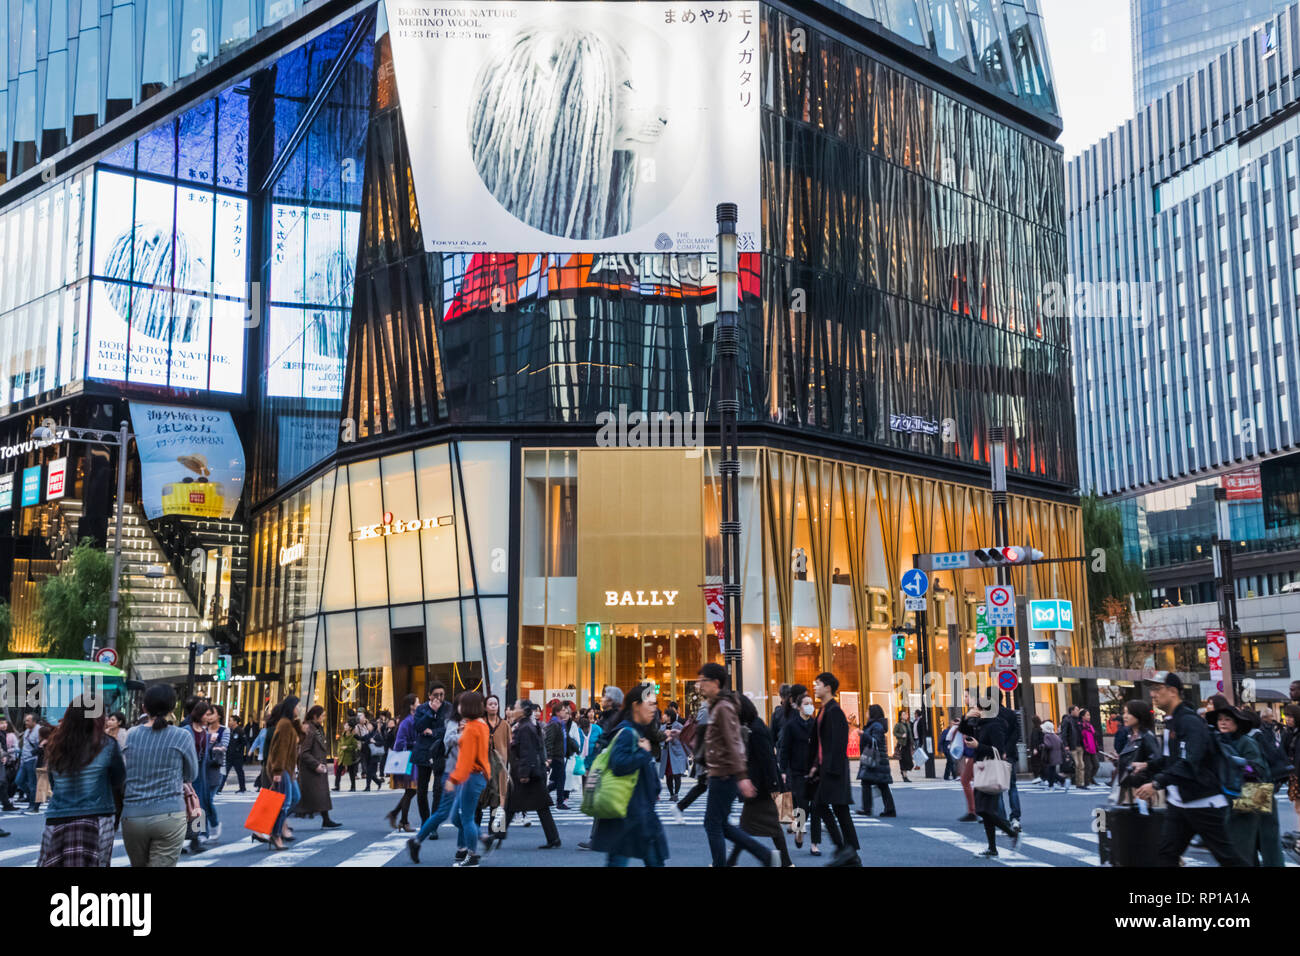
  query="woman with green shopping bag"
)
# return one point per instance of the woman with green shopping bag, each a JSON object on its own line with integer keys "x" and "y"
{"x": 637, "y": 834}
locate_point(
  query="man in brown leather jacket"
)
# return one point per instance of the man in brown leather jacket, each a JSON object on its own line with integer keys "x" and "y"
{"x": 724, "y": 759}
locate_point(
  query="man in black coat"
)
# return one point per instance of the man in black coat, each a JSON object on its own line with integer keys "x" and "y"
{"x": 429, "y": 753}
{"x": 1188, "y": 775}
{"x": 830, "y": 772}
{"x": 778, "y": 715}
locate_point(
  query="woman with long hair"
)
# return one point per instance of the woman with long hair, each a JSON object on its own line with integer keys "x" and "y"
{"x": 209, "y": 774}
{"x": 528, "y": 774}
{"x": 638, "y": 834}
{"x": 556, "y": 128}
{"x": 499, "y": 737}
{"x": 313, "y": 771}
{"x": 282, "y": 765}
{"x": 87, "y": 776}
{"x": 464, "y": 784}
{"x": 873, "y": 762}
{"x": 160, "y": 760}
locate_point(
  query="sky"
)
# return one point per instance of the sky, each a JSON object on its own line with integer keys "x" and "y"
{"x": 1090, "y": 48}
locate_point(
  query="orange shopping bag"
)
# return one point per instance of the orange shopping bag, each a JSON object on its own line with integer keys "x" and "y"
{"x": 266, "y": 810}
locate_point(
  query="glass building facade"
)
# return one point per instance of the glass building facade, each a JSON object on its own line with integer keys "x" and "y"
{"x": 1184, "y": 244}
{"x": 1172, "y": 39}
{"x": 428, "y": 493}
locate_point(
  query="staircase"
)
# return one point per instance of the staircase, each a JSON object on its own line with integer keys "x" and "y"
{"x": 163, "y": 617}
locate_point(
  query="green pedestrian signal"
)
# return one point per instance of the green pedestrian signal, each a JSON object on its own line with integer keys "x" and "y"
{"x": 593, "y": 637}
{"x": 223, "y": 667}
{"x": 900, "y": 647}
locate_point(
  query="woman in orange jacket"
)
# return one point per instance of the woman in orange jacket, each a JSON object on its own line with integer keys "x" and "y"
{"x": 466, "y": 781}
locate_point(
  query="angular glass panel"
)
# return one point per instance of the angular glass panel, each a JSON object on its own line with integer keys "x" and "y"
{"x": 195, "y": 43}
{"x": 197, "y": 143}
{"x": 156, "y": 51}
{"x": 232, "y": 139}
{"x": 27, "y": 37}
{"x": 236, "y": 22}
{"x": 54, "y": 122}
{"x": 276, "y": 10}
{"x": 58, "y": 25}
{"x": 946, "y": 35}
{"x": 905, "y": 20}
{"x": 86, "y": 98}
{"x": 121, "y": 60}
{"x": 986, "y": 44}
{"x": 158, "y": 151}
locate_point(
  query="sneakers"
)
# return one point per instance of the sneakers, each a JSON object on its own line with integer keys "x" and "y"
{"x": 413, "y": 849}
{"x": 844, "y": 856}
{"x": 775, "y": 858}
{"x": 214, "y": 834}
{"x": 553, "y": 845}
{"x": 471, "y": 860}
{"x": 677, "y": 815}
{"x": 1015, "y": 825}
{"x": 461, "y": 853}
{"x": 1015, "y": 838}
{"x": 584, "y": 845}
{"x": 987, "y": 854}
{"x": 968, "y": 818}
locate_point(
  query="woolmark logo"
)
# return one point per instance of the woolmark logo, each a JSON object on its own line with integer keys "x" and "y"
{"x": 662, "y": 242}
{"x": 77, "y": 910}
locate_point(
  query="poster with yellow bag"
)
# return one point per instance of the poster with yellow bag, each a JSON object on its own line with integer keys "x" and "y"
{"x": 191, "y": 460}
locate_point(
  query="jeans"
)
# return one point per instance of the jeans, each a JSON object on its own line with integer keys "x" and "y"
{"x": 446, "y": 803}
{"x": 26, "y": 781}
{"x": 652, "y": 858}
{"x": 154, "y": 840}
{"x": 1013, "y": 796}
{"x": 557, "y": 781}
{"x": 717, "y": 823}
{"x": 465, "y": 804}
{"x": 950, "y": 769}
{"x": 292, "y": 794}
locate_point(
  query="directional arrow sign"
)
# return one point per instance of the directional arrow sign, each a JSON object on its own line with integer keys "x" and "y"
{"x": 915, "y": 582}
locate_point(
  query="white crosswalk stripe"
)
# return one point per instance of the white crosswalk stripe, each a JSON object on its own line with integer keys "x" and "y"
{"x": 955, "y": 839}
{"x": 1064, "y": 849}
{"x": 211, "y": 853}
{"x": 377, "y": 854}
{"x": 32, "y": 851}
{"x": 306, "y": 849}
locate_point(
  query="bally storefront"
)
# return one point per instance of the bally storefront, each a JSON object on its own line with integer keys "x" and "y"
{"x": 382, "y": 574}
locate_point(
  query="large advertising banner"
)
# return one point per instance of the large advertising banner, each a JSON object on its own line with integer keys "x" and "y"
{"x": 164, "y": 258}
{"x": 191, "y": 460}
{"x": 579, "y": 127}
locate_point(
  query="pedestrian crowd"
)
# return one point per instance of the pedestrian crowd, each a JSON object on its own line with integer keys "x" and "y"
{"x": 1211, "y": 776}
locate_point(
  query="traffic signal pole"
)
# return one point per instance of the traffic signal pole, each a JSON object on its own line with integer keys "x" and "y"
{"x": 998, "y": 441}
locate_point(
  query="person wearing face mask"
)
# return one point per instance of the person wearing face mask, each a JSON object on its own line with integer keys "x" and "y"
{"x": 794, "y": 756}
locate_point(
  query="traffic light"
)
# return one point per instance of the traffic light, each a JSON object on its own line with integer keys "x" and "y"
{"x": 900, "y": 647}
{"x": 593, "y": 637}
{"x": 1000, "y": 557}
{"x": 223, "y": 667}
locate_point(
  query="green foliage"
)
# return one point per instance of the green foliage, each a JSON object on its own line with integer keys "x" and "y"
{"x": 1110, "y": 577}
{"x": 6, "y": 627}
{"x": 73, "y": 604}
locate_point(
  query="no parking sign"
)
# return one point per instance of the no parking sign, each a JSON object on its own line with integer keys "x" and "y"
{"x": 1001, "y": 602}
{"x": 1008, "y": 681}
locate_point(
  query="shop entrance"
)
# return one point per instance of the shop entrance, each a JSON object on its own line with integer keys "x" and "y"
{"x": 410, "y": 675}
{"x": 669, "y": 655}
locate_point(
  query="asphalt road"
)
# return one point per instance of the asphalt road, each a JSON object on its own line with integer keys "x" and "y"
{"x": 926, "y": 832}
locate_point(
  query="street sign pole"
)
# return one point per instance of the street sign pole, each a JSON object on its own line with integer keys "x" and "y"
{"x": 1026, "y": 665}
{"x": 923, "y": 637}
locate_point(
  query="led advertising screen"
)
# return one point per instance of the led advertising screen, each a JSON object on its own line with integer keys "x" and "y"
{"x": 164, "y": 258}
{"x": 6, "y": 491}
{"x": 579, "y": 127}
{"x": 31, "y": 486}
{"x": 313, "y": 252}
{"x": 191, "y": 460}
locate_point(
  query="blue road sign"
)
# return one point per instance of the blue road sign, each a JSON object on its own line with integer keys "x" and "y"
{"x": 915, "y": 582}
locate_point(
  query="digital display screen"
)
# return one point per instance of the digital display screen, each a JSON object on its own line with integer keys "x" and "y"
{"x": 313, "y": 255}
{"x": 6, "y": 491}
{"x": 31, "y": 486}
{"x": 165, "y": 256}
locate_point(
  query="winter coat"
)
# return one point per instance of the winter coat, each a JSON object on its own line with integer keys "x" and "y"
{"x": 427, "y": 749}
{"x": 634, "y": 834}
{"x": 500, "y": 741}
{"x": 282, "y": 751}
{"x": 990, "y": 734}
{"x": 349, "y": 748}
{"x": 794, "y": 749}
{"x": 315, "y": 785}
{"x": 831, "y": 755}
{"x": 724, "y": 755}
{"x": 1089, "y": 738}
{"x": 527, "y": 768}
{"x": 1138, "y": 748}
{"x": 1052, "y": 750}
{"x": 904, "y": 745}
{"x": 672, "y": 755}
{"x": 873, "y": 735}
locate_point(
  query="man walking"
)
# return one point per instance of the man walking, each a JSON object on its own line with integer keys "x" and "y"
{"x": 724, "y": 759}
{"x": 557, "y": 737}
{"x": 29, "y": 753}
{"x": 1186, "y": 773}
{"x": 1072, "y": 740}
{"x": 429, "y": 753}
{"x": 830, "y": 772}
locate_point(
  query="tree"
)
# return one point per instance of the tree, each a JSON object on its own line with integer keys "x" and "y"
{"x": 73, "y": 605}
{"x": 1112, "y": 579}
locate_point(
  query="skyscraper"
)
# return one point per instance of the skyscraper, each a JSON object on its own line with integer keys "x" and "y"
{"x": 1172, "y": 38}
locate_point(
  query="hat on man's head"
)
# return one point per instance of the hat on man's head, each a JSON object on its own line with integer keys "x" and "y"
{"x": 1167, "y": 678}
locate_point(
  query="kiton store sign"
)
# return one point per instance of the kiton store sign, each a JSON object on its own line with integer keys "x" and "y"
{"x": 389, "y": 526}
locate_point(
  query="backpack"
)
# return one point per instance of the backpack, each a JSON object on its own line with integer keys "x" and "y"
{"x": 1278, "y": 766}
{"x": 1227, "y": 764}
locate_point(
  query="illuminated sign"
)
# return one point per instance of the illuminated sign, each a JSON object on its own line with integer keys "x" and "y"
{"x": 624, "y": 599}
{"x": 292, "y": 553}
{"x": 31, "y": 486}
{"x": 25, "y": 447}
{"x": 390, "y": 527}
{"x": 6, "y": 491}
{"x": 54, "y": 479}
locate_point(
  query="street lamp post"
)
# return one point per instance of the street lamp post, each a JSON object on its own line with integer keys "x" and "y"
{"x": 1226, "y": 586}
{"x": 120, "y": 440}
{"x": 727, "y": 344}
